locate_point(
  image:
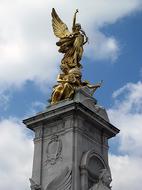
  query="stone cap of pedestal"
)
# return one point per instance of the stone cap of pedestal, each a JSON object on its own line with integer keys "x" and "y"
{"x": 83, "y": 104}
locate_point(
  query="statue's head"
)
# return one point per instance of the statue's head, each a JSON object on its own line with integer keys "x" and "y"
{"x": 77, "y": 27}
{"x": 105, "y": 177}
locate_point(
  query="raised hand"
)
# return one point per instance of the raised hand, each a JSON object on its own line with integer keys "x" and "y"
{"x": 76, "y": 11}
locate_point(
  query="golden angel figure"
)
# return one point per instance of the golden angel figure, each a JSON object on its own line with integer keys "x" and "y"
{"x": 70, "y": 43}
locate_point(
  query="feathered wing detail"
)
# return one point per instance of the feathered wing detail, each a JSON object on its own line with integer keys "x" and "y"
{"x": 61, "y": 182}
{"x": 59, "y": 27}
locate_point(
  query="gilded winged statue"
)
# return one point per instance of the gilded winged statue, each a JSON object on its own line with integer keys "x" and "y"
{"x": 71, "y": 45}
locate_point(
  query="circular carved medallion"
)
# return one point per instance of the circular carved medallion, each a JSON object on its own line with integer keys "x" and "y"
{"x": 53, "y": 150}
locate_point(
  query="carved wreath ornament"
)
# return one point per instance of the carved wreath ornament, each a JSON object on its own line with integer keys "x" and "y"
{"x": 53, "y": 150}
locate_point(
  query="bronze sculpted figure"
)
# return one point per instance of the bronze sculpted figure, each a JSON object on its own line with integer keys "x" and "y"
{"x": 71, "y": 45}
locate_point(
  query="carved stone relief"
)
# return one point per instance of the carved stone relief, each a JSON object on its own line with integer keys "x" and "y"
{"x": 103, "y": 182}
{"x": 61, "y": 182}
{"x": 91, "y": 165}
{"x": 53, "y": 150}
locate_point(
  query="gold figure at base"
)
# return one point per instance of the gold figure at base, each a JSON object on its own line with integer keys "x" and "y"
{"x": 68, "y": 84}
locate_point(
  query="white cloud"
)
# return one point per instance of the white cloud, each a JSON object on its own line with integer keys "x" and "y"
{"x": 126, "y": 171}
{"x": 102, "y": 47}
{"x": 16, "y": 149}
{"x": 126, "y": 114}
{"x": 27, "y": 43}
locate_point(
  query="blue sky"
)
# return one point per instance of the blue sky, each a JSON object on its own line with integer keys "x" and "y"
{"x": 29, "y": 64}
{"x": 115, "y": 74}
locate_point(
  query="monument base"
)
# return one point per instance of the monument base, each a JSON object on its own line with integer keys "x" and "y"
{"x": 70, "y": 144}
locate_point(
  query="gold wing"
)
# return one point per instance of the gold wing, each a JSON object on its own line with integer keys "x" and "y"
{"x": 59, "y": 27}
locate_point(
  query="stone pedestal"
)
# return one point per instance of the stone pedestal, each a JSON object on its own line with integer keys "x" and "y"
{"x": 70, "y": 144}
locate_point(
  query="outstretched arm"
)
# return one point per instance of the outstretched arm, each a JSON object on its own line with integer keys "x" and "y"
{"x": 95, "y": 86}
{"x": 74, "y": 20}
{"x": 92, "y": 87}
